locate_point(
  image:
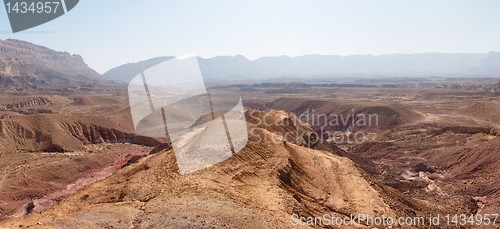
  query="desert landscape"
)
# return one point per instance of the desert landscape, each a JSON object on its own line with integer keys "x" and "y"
{"x": 388, "y": 146}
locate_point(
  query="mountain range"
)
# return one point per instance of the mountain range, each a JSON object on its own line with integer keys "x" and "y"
{"x": 27, "y": 65}
{"x": 329, "y": 66}
{"x": 126, "y": 72}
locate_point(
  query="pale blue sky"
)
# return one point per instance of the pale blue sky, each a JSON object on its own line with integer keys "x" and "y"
{"x": 108, "y": 33}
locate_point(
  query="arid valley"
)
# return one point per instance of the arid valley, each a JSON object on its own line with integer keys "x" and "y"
{"x": 395, "y": 146}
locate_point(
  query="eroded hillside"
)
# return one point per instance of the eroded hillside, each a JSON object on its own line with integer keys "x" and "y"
{"x": 260, "y": 187}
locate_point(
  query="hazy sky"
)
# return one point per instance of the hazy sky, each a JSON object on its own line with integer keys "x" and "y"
{"x": 108, "y": 33}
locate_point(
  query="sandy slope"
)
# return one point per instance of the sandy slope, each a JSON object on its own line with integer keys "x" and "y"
{"x": 258, "y": 188}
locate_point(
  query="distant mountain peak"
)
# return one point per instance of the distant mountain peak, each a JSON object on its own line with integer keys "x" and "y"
{"x": 27, "y": 65}
{"x": 126, "y": 72}
{"x": 330, "y": 66}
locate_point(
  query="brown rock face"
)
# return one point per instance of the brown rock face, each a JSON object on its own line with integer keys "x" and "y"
{"x": 26, "y": 65}
{"x": 59, "y": 134}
